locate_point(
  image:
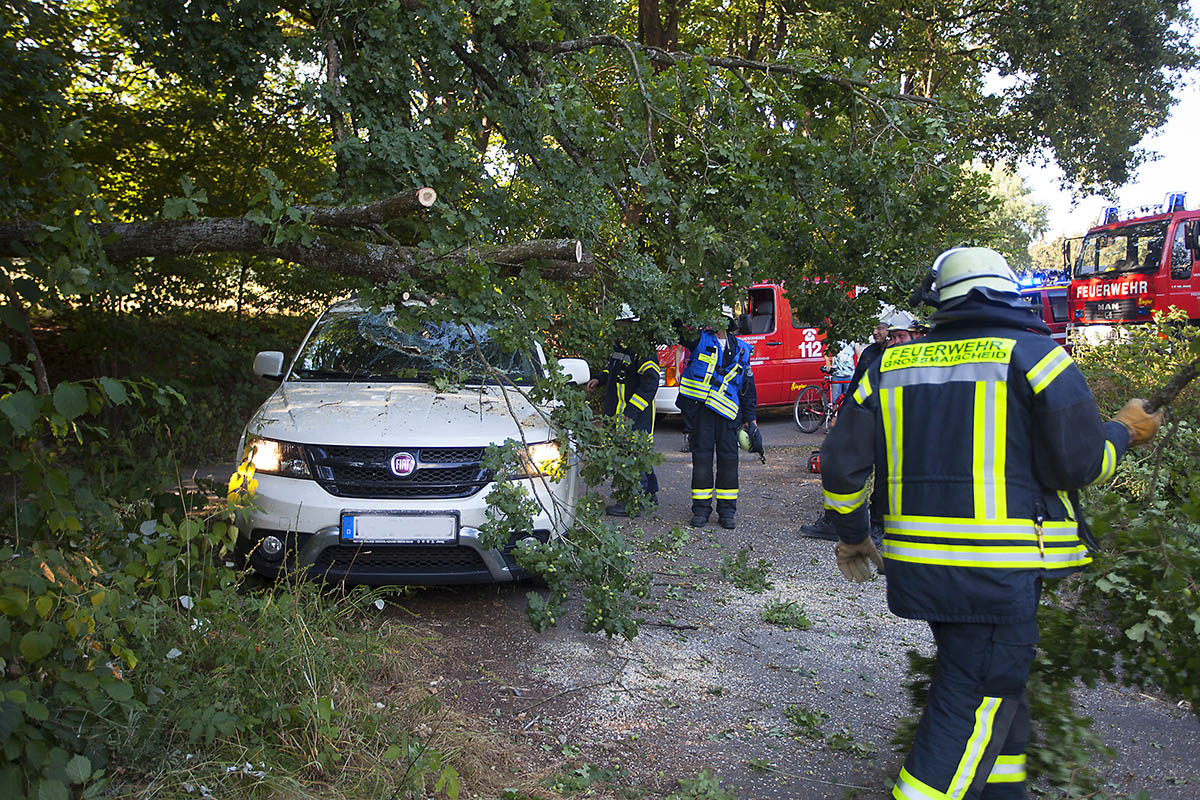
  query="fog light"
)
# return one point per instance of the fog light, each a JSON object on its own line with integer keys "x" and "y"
{"x": 271, "y": 547}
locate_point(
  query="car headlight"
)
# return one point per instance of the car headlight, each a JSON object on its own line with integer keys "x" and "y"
{"x": 543, "y": 458}
{"x": 276, "y": 458}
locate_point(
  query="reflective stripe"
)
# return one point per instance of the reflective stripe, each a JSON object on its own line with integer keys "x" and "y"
{"x": 989, "y": 449}
{"x": 909, "y": 788}
{"x": 1048, "y": 369}
{"x": 892, "y": 403}
{"x": 864, "y": 390}
{"x": 998, "y": 557}
{"x": 965, "y": 528}
{"x": 637, "y": 402}
{"x": 620, "y": 399}
{"x": 727, "y": 494}
{"x": 985, "y": 717}
{"x": 959, "y": 373}
{"x": 1108, "y": 464}
{"x": 702, "y": 494}
{"x": 845, "y": 503}
{"x": 1008, "y": 769}
{"x": 650, "y": 365}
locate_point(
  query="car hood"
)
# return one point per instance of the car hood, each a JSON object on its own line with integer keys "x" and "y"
{"x": 407, "y": 414}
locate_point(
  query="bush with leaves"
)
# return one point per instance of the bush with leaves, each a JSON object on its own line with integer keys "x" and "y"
{"x": 116, "y": 593}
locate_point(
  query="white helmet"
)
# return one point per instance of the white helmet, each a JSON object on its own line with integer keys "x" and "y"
{"x": 900, "y": 321}
{"x": 956, "y": 272}
{"x": 626, "y": 313}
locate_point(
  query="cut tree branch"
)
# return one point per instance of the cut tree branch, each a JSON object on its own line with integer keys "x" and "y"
{"x": 370, "y": 260}
{"x": 670, "y": 58}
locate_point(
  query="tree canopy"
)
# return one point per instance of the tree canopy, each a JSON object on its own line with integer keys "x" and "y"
{"x": 686, "y": 144}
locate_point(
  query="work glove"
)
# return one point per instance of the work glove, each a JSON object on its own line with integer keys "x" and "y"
{"x": 1141, "y": 426}
{"x": 852, "y": 559}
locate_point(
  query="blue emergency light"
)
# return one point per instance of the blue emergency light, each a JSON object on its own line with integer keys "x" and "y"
{"x": 1111, "y": 214}
{"x": 1174, "y": 201}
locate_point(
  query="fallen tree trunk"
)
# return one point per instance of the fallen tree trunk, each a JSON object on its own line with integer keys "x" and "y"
{"x": 370, "y": 260}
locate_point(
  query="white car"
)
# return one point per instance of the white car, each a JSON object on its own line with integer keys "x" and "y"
{"x": 367, "y": 473}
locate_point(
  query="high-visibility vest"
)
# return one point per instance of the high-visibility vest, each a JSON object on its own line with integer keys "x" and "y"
{"x": 715, "y": 385}
{"x": 960, "y": 423}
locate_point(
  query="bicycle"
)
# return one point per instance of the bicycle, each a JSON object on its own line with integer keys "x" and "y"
{"x": 813, "y": 406}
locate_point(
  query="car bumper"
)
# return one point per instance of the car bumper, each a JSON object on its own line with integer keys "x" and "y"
{"x": 664, "y": 400}
{"x": 307, "y": 520}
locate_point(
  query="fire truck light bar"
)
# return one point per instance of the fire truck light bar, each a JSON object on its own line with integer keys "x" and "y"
{"x": 1174, "y": 201}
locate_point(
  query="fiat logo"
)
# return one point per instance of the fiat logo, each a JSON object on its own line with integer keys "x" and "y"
{"x": 403, "y": 464}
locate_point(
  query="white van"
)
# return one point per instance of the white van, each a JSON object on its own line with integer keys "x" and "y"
{"x": 367, "y": 473}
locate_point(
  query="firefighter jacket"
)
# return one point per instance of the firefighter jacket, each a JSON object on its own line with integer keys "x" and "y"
{"x": 720, "y": 379}
{"x": 630, "y": 385}
{"x": 978, "y": 432}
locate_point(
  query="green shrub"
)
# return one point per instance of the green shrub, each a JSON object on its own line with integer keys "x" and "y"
{"x": 127, "y": 639}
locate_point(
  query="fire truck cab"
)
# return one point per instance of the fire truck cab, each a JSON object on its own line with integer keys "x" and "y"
{"x": 1134, "y": 263}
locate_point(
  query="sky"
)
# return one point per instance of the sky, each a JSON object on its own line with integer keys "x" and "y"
{"x": 1176, "y": 170}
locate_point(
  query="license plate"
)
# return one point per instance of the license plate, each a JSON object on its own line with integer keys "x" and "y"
{"x": 400, "y": 528}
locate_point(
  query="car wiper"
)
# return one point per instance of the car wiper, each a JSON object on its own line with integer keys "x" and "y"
{"x": 325, "y": 375}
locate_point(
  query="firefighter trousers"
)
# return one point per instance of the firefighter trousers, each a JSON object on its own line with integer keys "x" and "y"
{"x": 712, "y": 433}
{"x": 970, "y": 743}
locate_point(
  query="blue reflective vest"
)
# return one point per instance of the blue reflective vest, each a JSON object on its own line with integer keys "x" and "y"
{"x": 716, "y": 385}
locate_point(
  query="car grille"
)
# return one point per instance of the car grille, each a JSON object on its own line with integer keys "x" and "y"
{"x": 366, "y": 471}
{"x": 408, "y": 560}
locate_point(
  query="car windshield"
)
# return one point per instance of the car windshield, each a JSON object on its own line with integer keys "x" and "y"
{"x": 1134, "y": 248}
{"x": 360, "y": 346}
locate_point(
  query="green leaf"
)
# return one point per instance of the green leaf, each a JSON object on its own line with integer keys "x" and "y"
{"x": 21, "y": 408}
{"x": 70, "y": 400}
{"x": 115, "y": 390}
{"x": 13, "y": 603}
{"x": 1138, "y": 632}
{"x": 35, "y": 645}
{"x": 79, "y": 769}
{"x": 52, "y": 790}
{"x": 174, "y": 207}
{"x": 118, "y": 690}
{"x": 392, "y": 753}
{"x": 5, "y": 353}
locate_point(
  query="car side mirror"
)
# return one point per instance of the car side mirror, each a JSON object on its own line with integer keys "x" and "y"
{"x": 576, "y": 369}
{"x": 269, "y": 364}
{"x": 1191, "y": 237}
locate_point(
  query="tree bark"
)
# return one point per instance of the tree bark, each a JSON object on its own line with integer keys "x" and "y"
{"x": 372, "y": 261}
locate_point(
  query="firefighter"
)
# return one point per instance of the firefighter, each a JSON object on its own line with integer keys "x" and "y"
{"x": 716, "y": 397}
{"x": 978, "y": 433}
{"x": 630, "y": 382}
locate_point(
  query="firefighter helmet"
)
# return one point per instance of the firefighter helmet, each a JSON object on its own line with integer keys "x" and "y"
{"x": 958, "y": 271}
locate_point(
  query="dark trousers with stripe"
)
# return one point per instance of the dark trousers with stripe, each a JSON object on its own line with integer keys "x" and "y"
{"x": 645, "y": 422}
{"x": 970, "y": 743}
{"x": 712, "y": 433}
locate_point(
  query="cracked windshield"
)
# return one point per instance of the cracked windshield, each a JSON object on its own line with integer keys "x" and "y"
{"x": 374, "y": 347}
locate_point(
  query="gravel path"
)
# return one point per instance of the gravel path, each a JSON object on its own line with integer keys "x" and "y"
{"x": 775, "y": 713}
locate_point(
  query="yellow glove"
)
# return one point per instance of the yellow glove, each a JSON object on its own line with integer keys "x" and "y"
{"x": 1141, "y": 426}
{"x": 852, "y": 559}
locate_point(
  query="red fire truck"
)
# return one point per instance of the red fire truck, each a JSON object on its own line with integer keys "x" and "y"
{"x": 1134, "y": 263}
{"x": 788, "y": 353}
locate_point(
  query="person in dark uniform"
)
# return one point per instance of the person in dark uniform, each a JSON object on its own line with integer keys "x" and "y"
{"x": 716, "y": 397}
{"x": 630, "y": 382}
{"x": 979, "y": 433}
